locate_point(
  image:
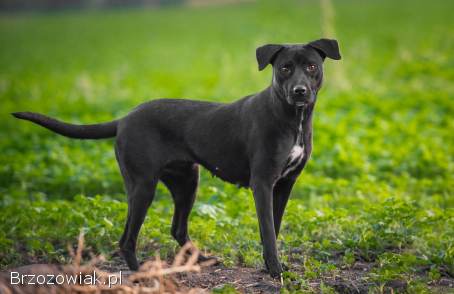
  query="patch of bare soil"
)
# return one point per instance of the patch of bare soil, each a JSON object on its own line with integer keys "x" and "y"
{"x": 244, "y": 280}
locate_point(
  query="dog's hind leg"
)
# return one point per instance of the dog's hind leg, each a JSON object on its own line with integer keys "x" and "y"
{"x": 140, "y": 187}
{"x": 182, "y": 181}
{"x": 139, "y": 199}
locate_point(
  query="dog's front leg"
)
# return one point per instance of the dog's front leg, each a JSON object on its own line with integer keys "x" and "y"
{"x": 281, "y": 194}
{"x": 263, "y": 197}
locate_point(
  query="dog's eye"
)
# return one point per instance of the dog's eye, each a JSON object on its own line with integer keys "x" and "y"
{"x": 285, "y": 70}
{"x": 311, "y": 67}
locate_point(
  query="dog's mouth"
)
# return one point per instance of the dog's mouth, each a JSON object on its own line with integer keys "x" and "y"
{"x": 298, "y": 103}
{"x": 301, "y": 103}
{"x": 300, "y": 100}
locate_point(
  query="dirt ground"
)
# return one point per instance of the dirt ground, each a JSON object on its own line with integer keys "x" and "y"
{"x": 252, "y": 280}
{"x": 243, "y": 279}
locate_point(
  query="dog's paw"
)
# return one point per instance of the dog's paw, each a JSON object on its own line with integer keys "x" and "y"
{"x": 130, "y": 258}
{"x": 211, "y": 260}
{"x": 275, "y": 269}
{"x": 276, "y": 274}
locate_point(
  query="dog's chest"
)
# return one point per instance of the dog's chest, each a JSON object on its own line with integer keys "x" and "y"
{"x": 296, "y": 154}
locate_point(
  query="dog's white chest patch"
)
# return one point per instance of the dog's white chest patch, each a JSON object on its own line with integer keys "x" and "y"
{"x": 296, "y": 152}
{"x": 295, "y": 157}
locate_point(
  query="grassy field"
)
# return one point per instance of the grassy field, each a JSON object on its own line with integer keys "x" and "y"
{"x": 378, "y": 190}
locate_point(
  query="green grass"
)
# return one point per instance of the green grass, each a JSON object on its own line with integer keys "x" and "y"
{"x": 378, "y": 189}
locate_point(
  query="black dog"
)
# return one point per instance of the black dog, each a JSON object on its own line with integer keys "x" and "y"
{"x": 262, "y": 141}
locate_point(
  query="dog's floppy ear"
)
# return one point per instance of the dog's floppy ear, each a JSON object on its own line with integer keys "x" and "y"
{"x": 266, "y": 53}
{"x": 326, "y": 48}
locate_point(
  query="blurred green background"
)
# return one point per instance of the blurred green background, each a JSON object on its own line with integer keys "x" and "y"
{"x": 379, "y": 185}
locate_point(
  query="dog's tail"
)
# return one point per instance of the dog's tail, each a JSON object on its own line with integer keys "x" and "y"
{"x": 95, "y": 131}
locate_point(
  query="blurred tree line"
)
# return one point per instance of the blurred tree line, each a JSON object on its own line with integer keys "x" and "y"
{"x": 15, "y": 5}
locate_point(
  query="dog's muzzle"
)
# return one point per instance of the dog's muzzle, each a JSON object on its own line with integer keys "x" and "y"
{"x": 301, "y": 100}
{"x": 300, "y": 96}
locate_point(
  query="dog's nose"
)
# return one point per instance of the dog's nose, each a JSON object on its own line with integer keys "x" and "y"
{"x": 299, "y": 90}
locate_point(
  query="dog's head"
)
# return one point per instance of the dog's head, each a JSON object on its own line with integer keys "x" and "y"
{"x": 297, "y": 69}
